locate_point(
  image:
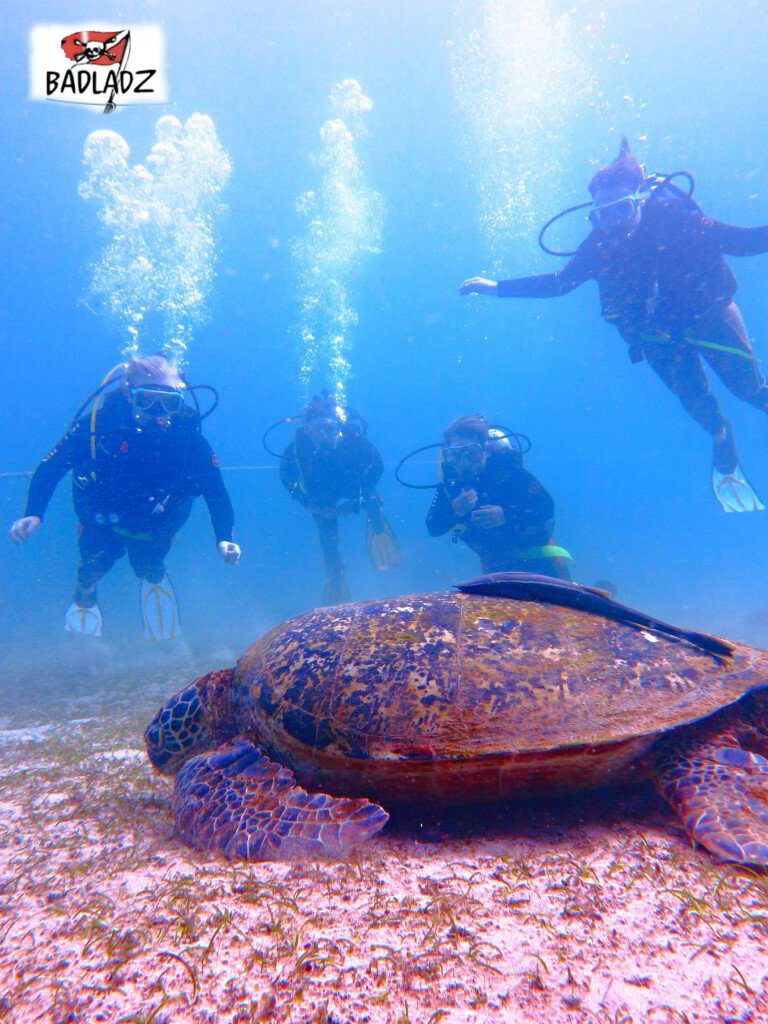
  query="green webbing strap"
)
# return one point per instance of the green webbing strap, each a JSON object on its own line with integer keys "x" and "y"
{"x": 662, "y": 336}
{"x": 122, "y": 532}
{"x": 543, "y": 551}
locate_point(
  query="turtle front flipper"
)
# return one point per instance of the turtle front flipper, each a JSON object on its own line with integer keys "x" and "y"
{"x": 247, "y": 807}
{"x": 716, "y": 778}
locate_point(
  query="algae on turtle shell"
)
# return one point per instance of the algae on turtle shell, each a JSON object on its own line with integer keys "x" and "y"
{"x": 518, "y": 686}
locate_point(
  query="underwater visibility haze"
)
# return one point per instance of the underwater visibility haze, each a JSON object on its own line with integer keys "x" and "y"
{"x": 291, "y": 231}
{"x": 343, "y": 168}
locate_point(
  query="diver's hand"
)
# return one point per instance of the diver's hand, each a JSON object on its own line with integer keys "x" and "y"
{"x": 24, "y": 528}
{"x": 479, "y": 286}
{"x": 487, "y": 517}
{"x": 464, "y": 502}
{"x": 229, "y": 551}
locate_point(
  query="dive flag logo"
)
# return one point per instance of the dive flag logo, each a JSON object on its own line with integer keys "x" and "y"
{"x": 97, "y": 47}
{"x": 99, "y": 66}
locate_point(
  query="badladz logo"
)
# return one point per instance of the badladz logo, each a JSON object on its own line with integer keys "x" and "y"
{"x": 96, "y": 66}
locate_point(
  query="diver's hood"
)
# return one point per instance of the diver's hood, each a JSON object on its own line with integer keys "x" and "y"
{"x": 626, "y": 171}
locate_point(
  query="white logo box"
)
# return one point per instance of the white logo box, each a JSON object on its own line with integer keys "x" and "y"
{"x": 141, "y": 78}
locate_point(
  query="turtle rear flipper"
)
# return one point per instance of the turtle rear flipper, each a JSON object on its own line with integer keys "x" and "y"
{"x": 718, "y": 786}
{"x": 247, "y": 807}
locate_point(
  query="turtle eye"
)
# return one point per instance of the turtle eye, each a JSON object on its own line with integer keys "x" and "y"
{"x": 154, "y": 736}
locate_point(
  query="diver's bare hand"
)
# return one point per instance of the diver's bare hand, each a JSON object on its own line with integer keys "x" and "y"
{"x": 24, "y": 528}
{"x": 479, "y": 286}
{"x": 487, "y": 517}
{"x": 229, "y": 551}
{"x": 464, "y": 502}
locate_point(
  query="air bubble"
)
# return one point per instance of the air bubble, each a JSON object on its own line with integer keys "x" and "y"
{"x": 344, "y": 224}
{"x": 157, "y": 265}
{"x": 521, "y": 79}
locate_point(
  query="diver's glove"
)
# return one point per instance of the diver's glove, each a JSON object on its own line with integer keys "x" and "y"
{"x": 229, "y": 551}
{"x": 24, "y": 528}
{"x": 734, "y": 492}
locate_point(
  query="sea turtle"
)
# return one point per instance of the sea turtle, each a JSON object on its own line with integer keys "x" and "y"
{"x": 513, "y": 684}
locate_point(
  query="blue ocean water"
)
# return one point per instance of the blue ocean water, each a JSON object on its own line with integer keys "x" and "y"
{"x": 487, "y": 118}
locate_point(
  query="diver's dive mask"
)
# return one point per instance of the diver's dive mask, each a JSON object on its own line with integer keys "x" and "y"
{"x": 156, "y": 401}
{"x": 616, "y": 213}
{"x": 472, "y": 453}
{"x": 327, "y": 432}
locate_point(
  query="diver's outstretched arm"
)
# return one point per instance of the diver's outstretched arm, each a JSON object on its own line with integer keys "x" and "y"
{"x": 539, "y": 286}
{"x": 735, "y": 241}
{"x": 56, "y": 464}
{"x": 479, "y": 286}
{"x": 211, "y": 483}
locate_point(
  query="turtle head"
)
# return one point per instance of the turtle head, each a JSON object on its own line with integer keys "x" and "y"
{"x": 196, "y": 719}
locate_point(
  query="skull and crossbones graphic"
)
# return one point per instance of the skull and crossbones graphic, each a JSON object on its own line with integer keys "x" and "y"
{"x": 94, "y": 48}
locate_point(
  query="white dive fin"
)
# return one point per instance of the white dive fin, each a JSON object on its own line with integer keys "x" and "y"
{"x": 734, "y": 492}
{"x": 160, "y": 610}
{"x": 85, "y": 621}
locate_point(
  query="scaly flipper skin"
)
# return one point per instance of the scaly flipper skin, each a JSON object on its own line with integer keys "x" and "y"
{"x": 715, "y": 775}
{"x": 240, "y": 803}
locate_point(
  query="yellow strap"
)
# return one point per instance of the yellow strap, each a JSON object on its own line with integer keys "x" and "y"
{"x": 544, "y": 551}
{"x": 122, "y": 532}
{"x": 687, "y": 339}
{"x": 98, "y": 402}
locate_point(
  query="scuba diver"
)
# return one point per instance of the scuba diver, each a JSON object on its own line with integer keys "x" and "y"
{"x": 138, "y": 461}
{"x": 487, "y": 499}
{"x": 332, "y": 469}
{"x": 665, "y": 284}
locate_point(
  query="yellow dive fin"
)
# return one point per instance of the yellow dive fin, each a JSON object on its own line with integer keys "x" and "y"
{"x": 381, "y": 543}
{"x": 85, "y": 621}
{"x": 160, "y": 610}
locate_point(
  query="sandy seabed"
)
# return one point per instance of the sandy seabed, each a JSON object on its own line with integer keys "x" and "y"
{"x": 594, "y": 909}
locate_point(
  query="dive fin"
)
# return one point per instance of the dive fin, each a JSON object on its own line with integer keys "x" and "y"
{"x": 381, "y": 543}
{"x": 160, "y": 610}
{"x": 734, "y": 491}
{"x": 239, "y": 803}
{"x": 85, "y": 621}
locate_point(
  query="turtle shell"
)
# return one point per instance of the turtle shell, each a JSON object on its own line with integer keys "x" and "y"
{"x": 455, "y": 697}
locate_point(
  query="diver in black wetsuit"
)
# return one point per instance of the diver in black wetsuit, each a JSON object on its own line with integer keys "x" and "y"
{"x": 493, "y": 504}
{"x": 332, "y": 469}
{"x": 138, "y": 461}
{"x": 664, "y": 282}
